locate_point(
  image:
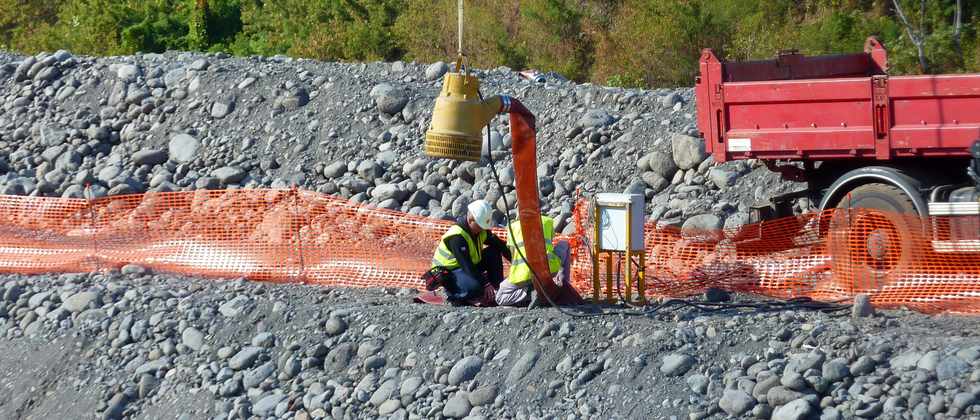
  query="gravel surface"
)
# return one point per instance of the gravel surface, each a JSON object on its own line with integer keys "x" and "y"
{"x": 114, "y": 345}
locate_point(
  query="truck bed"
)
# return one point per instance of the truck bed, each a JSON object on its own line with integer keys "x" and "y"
{"x": 796, "y": 112}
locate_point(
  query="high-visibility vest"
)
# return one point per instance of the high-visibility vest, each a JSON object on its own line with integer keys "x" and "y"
{"x": 520, "y": 272}
{"x": 443, "y": 257}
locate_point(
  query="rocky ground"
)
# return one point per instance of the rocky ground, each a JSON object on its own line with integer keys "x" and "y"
{"x": 181, "y": 121}
{"x": 141, "y": 345}
{"x": 136, "y": 345}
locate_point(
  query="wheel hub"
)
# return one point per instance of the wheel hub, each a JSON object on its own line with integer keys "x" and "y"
{"x": 877, "y": 245}
{"x": 877, "y": 241}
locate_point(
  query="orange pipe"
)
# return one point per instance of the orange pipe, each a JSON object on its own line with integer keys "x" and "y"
{"x": 524, "y": 147}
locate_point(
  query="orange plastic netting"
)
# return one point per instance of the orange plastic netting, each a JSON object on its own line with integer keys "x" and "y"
{"x": 300, "y": 236}
{"x": 930, "y": 265}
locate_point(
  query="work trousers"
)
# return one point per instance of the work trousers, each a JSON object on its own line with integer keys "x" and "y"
{"x": 489, "y": 270}
{"x": 510, "y": 294}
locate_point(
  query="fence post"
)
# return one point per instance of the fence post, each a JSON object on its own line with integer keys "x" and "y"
{"x": 296, "y": 216}
{"x": 90, "y": 205}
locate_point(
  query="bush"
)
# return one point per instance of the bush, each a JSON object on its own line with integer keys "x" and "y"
{"x": 663, "y": 40}
{"x": 553, "y": 38}
{"x": 628, "y": 80}
{"x": 427, "y": 31}
{"x": 326, "y": 30}
{"x": 625, "y": 43}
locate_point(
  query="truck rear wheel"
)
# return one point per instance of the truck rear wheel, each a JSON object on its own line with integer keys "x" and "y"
{"x": 868, "y": 247}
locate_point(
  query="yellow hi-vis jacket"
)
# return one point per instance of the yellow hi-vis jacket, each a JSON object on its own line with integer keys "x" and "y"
{"x": 443, "y": 257}
{"x": 520, "y": 272}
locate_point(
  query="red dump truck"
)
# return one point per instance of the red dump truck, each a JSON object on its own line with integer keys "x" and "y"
{"x": 858, "y": 137}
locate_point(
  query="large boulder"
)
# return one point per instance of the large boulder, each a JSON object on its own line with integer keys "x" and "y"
{"x": 369, "y": 170}
{"x": 174, "y": 77}
{"x": 661, "y": 163}
{"x": 951, "y": 367}
{"x": 127, "y": 72}
{"x": 183, "y": 148}
{"x": 797, "y": 409}
{"x": 389, "y": 191}
{"x": 150, "y": 157}
{"x": 702, "y": 225}
{"x": 676, "y": 364}
{"x": 688, "y": 151}
{"x": 723, "y": 177}
{"x": 736, "y": 402}
{"x": 671, "y": 99}
{"x": 436, "y": 70}
{"x": 656, "y": 182}
{"x": 389, "y": 100}
{"x": 465, "y": 369}
{"x": 229, "y": 174}
{"x": 293, "y": 99}
{"x": 596, "y": 118}
{"x": 335, "y": 170}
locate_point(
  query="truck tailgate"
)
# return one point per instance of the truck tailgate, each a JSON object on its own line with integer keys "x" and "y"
{"x": 811, "y": 112}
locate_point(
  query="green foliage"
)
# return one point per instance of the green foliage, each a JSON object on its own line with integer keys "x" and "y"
{"x": 197, "y": 33}
{"x": 123, "y": 26}
{"x": 21, "y": 21}
{"x": 328, "y": 30}
{"x": 628, "y": 43}
{"x": 663, "y": 40}
{"x": 553, "y": 31}
{"x": 427, "y": 32}
{"x": 628, "y": 80}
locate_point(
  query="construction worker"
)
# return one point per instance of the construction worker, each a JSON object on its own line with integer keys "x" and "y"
{"x": 469, "y": 256}
{"x": 518, "y": 288}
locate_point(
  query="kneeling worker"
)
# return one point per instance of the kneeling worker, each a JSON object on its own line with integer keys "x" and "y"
{"x": 470, "y": 254}
{"x": 518, "y": 288}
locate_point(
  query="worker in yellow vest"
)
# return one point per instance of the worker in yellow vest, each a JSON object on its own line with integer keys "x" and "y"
{"x": 518, "y": 288}
{"x": 469, "y": 256}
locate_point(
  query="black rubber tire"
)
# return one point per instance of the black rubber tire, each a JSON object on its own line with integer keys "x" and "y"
{"x": 869, "y": 249}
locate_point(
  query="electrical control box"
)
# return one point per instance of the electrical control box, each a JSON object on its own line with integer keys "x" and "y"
{"x": 619, "y": 213}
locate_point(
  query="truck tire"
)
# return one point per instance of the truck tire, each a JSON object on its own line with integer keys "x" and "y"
{"x": 872, "y": 246}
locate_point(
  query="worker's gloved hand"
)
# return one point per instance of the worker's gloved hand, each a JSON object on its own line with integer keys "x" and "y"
{"x": 513, "y": 105}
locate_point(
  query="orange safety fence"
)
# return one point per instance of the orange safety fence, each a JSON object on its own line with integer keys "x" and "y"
{"x": 930, "y": 265}
{"x": 272, "y": 235}
{"x": 926, "y": 264}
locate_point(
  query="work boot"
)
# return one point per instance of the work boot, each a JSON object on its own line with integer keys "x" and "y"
{"x": 433, "y": 282}
{"x": 535, "y": 300}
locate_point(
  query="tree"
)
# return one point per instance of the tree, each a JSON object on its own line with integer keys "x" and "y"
{"x": 920, "y": 33}
{"x": 624, "y": 42}
{"x": 553, "y": 34}
{"x": 916, "y": 36}
{"x": 197, "y": 36}
{"x": 958, "y": 26}
{"x": 22, "y": 20}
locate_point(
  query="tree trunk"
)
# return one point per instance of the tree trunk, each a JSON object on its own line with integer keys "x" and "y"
{"x": 198, "y": 26}
{"x": 917, "y": 37}
{"x": 957, "y": 25}
{"x": 923, "y": 65}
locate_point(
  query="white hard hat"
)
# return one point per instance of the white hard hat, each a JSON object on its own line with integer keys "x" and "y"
{"x": 481, "y": 212}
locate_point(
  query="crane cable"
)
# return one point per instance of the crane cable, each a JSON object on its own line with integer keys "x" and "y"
{"x": 459, "y": 28}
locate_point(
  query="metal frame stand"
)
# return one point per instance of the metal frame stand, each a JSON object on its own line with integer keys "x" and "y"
{"x": 597, "y": 251}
